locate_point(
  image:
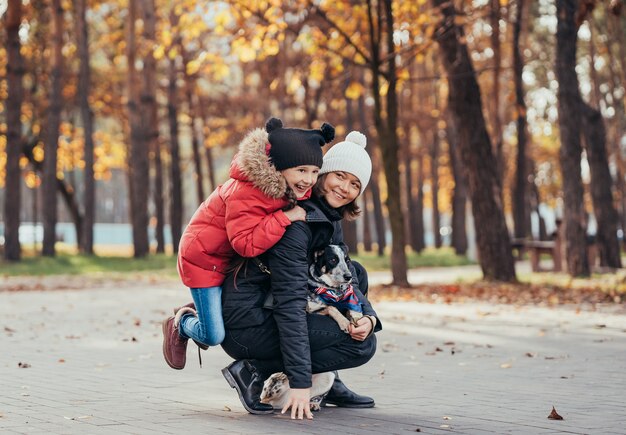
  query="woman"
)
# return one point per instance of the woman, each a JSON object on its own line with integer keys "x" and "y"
{"x": 283, "y": 337}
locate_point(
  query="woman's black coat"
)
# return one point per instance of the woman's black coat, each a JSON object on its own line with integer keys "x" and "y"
{"x": 243, "y": 301}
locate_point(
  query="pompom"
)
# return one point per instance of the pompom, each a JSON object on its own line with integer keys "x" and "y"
{"x": 357, "y": 138}
{"x": 328, "y": 132}
{"x": 273, "y": 124}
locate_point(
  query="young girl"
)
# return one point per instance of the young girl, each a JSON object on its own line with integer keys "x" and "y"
{"x": 247, "y": 215}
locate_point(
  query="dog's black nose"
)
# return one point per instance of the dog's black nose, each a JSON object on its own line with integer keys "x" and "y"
{"x": 347, "y": 276}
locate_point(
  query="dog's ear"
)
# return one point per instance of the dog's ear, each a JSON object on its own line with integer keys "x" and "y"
{"x": 318, "y": 262}
{"x": 317, "y": 254}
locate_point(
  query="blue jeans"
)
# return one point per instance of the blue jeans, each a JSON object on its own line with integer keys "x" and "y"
{"x": 208, "y": 327}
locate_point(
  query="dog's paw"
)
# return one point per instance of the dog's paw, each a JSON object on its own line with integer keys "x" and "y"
{"x": 344, "y": 324}
{"x": 354, "y": 317}
{"x": 316, "y": 402}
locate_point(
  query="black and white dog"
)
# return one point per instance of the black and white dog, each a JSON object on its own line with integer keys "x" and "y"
{"x": 329, "y": 292}
{"x": 330, "y": 289}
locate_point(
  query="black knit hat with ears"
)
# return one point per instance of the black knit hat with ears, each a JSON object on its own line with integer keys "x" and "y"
{"x": 292, "y": 147}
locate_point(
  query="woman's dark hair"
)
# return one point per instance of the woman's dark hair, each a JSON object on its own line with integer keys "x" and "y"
{"x": 351, "y": 211}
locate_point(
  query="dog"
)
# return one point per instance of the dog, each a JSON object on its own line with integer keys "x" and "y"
{"x": 276, "y": 387}
{"x": 330, "y": 288}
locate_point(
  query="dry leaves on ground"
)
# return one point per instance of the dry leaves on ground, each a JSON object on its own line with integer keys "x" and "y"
{"x": 502, "y": 293}
{"x": 554, "y": 415}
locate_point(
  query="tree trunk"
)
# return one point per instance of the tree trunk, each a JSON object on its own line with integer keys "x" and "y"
{"x": 210, "y": 168}
{"x": 492, "y": 237}
{"x": 495, "y": 98}
{"x": 84, "y": 87}
{"x": 618, "y": 80}
{"x": 195, "y": 143}
{"x": 207, "y": 150}
{"x": 521, "y": 211}
{"x": 415, "y": 227}
{"x": 569, "y": 101}
{"x": 367, "y": 224}
{"x": 385, "y": 120}
{"x": 374, "y": 188}
{"x": 434, "y": 178}
{"x": 159, "y": 204}
{"x": 15, "y": 98}
{"x": 349, "y": 226}
{"x": 138, "y": 163}
{"x": 418, "y": 242}
{"x": 176, "y": 195}
{"x": 49, "y": 182}
{"x": 459, "y": 195}
{"x": 601, "y": 182}
{"x": 149, "y": 117}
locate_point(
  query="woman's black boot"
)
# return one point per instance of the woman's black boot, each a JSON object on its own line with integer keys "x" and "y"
{"x": 245, "y": 378}
{"x": 340, "y": 395}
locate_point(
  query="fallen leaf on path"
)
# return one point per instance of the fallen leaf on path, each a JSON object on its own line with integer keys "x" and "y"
{"x": 506, "y": 366}
{"x": 23, "y": 365}
{"x": 554, "y": 415}
{"x": 445, "y": 417}
{"x": 61, "y": 360}
{"x": 226, "y": 408}
{"x": 600, "y": 326}
{"x": 9, "y": 330}
{"x": 531, "y": 354}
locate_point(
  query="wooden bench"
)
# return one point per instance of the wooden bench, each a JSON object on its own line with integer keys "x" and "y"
{"x": 535, "y": 249}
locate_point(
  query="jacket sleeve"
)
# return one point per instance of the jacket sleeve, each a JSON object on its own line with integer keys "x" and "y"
{"x": 288, "y": 262}
{"x": 368, "y": 310}
{"x": 254, "y": 222}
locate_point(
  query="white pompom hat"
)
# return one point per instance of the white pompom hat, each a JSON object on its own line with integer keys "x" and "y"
{"x": 350, "y": 156}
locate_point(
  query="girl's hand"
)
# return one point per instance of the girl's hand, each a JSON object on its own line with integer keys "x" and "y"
{"x": 363, "y": 328}
{"x": 296, "y": 214}
{"x": 299, "y": 401}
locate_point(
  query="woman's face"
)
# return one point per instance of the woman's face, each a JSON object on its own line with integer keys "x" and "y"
{"x": 301, "y": 178}
{"x": 340, "y": 188}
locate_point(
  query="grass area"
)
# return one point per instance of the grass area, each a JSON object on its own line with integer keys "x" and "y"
{"x": 75, "y": 264}
{"x": 67, "y": 262}
{"x": 430, "y": 257}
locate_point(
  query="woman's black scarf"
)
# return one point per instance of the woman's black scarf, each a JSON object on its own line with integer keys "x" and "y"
{"x": 333, "y": 214}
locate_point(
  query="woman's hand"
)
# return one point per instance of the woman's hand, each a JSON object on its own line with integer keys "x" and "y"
{"x": 363, "y": 328}
{"x": 299, "y": 402}
{"x": 296, "y": 214}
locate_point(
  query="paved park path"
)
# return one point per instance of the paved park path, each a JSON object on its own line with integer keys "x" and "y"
{"x": 89, "y": 362}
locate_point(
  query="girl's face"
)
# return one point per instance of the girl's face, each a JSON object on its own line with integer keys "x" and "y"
{"x": 340, "y": 188}
{"x": 301, "y": 178}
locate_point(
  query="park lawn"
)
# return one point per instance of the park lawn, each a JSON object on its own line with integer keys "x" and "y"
{"x": 429, "y": 257}
{"x": 67, "y": 262}
{"x": 77, "y": 264}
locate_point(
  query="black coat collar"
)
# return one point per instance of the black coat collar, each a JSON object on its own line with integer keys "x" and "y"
{"x": 318, "y": 210}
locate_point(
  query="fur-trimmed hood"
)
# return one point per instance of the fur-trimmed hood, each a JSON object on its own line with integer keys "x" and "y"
{"x": 252, "y": 164}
